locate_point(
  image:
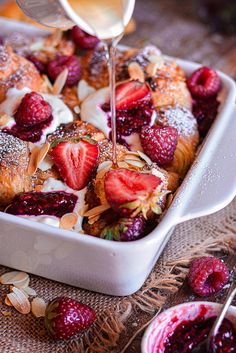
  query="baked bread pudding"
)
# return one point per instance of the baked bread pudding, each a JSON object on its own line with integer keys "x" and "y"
{"x": 55, "y": 134}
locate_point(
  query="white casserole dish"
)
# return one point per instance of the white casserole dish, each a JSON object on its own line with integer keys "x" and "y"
{"x": 121, "y": 268}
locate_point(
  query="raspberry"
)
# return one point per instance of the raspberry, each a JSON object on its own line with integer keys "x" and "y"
{"x": 40, "y": 66}
{"x": 126, "y": 229}
{"x": 32, "y": 110}
{"x": 159, "y": 143}
{"x": 1, "y": 40}
{"x": 207, "y": 275}
{"x": 55, "y": 203}
{"x": 205, "y": 111}
{"x": 72, "y": 63}
{"x": 204, "y": 83}
{"x": 82, "y": 39}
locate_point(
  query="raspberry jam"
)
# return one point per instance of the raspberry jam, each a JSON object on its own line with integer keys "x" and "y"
{"x": 43, "y": 203}
{"x": 31, "y": 134}
{"x": 130, "y": 121}
{"x": 190, "y": 333}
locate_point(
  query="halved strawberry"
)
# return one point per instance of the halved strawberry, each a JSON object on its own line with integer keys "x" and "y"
{"x": 129, "y": 192}
{"x": 75, "y": 161}
{"x": 131, "y": 94}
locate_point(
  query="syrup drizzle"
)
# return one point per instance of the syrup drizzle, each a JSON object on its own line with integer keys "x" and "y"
{"x": 111, "y": 46}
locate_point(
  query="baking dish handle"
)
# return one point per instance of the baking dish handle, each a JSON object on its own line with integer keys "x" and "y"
{"x": 211, "y": 183}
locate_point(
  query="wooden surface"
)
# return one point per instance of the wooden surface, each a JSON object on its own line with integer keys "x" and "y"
{"x": 175, "y": 28}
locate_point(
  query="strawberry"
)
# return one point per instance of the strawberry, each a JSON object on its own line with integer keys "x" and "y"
{"x": 132, "y": 94}
{"x": 76, "y": 161}
{"x": 129, "y": 192}
{"x": 65, "y": 317}
{"x": 159, "y": 143}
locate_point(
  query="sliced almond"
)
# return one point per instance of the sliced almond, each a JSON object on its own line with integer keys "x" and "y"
{"x": 55, "y": 39}
{"x": 92, "y": 220}
{"x": 38, "y": 307}
{"x": 33, "y": 161}
{"x": 4, "y": 119}
{"x": 29, "y": 291}
{"x": 97, "y": 210}
{"x": 145, "y": 158}
{"x": 13, "y": 277}
{"x": 83, "y": 210}
{"x": 37, "y": 156}
{"x": 19, "y": 300}
{"x": 154, "y": 66}
{"x": 132, "y": 158}
{"x": 138, "y": 164}
{"x": 7, "y": 301}
{"x": 68, "y": 221}
{"x": 60, "y": 82}
{"x": 136, "y": 72}
{"x": 48, "y": 83}
{"x": 43, "y": 152}
{"x": 22, "y": 284}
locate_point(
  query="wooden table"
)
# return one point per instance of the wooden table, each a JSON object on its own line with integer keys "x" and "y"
{"x": 175, "y": 28}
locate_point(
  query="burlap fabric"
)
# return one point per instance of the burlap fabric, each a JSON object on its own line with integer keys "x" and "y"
{"x": 119, "y": 319}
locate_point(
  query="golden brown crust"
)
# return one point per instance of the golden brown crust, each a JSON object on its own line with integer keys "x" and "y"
{"x": 14, "y": 160}
{"x": 16, "y": 71}
{"x": 77, "y": 129}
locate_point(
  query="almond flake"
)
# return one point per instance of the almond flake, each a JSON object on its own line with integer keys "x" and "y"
{"x": 22, "y": 284}
{"x": 33, "y": 161}
{"x": 68, "y": 221}
{"x": 84, "y": 90}
{"x": 19, "y": 300}
{"x": 29, "y": 291}
{"x": 4, "y": 119}
{"x": 138, "y": 164}
{"x": 38, "y": 307}
{"x": 97, "y": 210}
{"x": 37, "y": 156}
{"x": 7, "y": 302}
{"x": 136, "y": 72}
{"x": 60, "y": 82}
{"x": 154, "y": 66}
{"x": 145, "y": 158}
{"x": 132, "y": 158}
{"x": 14, "y": 277}
{"x": 48, "y": 83}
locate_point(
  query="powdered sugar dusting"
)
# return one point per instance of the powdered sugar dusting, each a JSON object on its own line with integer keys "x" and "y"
{"x": 180, "y": 118}
{"x": 11, "y": 148}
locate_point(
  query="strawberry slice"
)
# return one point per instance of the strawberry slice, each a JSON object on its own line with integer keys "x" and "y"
{"x": 132, "y": 94}
{"x": 129, "y": 192}
{"x": 75, "y": 161}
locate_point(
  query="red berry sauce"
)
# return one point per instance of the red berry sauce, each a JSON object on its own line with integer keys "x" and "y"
{"x": 191, "y": 333}
{"x": 130, "y": 121}
{"x": 31, "y": 134}
{"x": 55, "y": 204}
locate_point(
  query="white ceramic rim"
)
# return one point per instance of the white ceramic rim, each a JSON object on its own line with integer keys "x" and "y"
{"x": 231, "y": 310}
